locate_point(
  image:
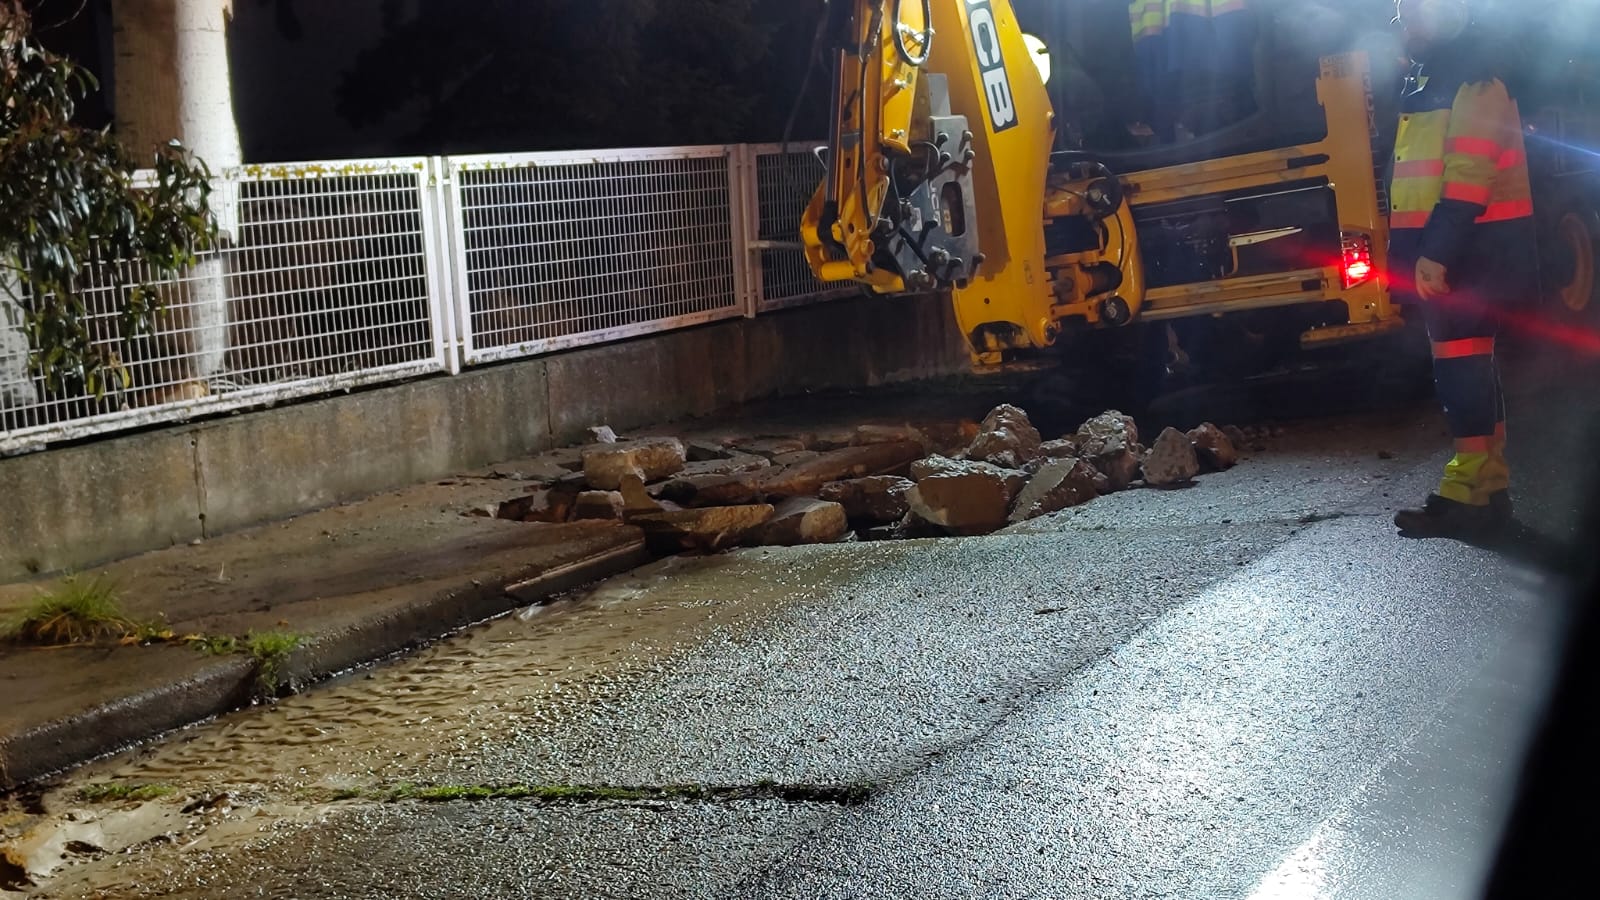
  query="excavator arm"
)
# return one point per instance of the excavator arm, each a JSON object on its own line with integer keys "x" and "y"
{"x": 939, "y": 165}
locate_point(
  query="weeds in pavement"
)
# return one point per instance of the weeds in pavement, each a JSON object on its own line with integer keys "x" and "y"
{"x": 107, "y": 792}
{"x": 216, "y": 644}
{"x": 271, "y": 652}
{"x": 76, "y": 612}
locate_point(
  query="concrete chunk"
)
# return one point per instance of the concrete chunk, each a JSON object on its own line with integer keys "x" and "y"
{"x": 938, "y": 465}
{"x": 540, "y": 506}
{"x": 733, "y": 464}
{"x": 1005, "y": 438}
{"x": 1216, "y": 451}
{"x": 1059, "y": 485}
{"x": 1172, "y": 460}
{"x": 975, "y": 502}
{"x": 712, "y": 490}
{"x": 601, "y": 505}
{"x": 795, "y": 458}
{"x": 890, "y": 434}
{"x": 651, "y": 459}
{"x": 878, "y": 499}
{"x": 802, "y": 520}
{"x": 1110, "y": 442}
{"x": 705, "y": 451}
{"x": 770, "y": 447}
{"x": 1065, "y": 448}
{"x": 808, "y": 478}
{"x": 703, "y": 530}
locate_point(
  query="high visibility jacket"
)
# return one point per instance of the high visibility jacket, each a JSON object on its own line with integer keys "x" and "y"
{"x": 1460, "y": 192}
{"x": 1152, "y": 17}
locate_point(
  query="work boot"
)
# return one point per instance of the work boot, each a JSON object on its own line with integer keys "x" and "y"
{"x": 1444, "y": 518}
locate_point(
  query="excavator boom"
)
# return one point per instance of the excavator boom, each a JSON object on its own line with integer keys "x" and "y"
{"x": 938, "y": 158}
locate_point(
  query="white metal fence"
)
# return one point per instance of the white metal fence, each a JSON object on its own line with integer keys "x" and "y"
{"x": 351, "y": 273}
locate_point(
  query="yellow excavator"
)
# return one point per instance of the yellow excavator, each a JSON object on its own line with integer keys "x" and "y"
{"x": 946, "y": 173}
{"x": 968, "y": 155}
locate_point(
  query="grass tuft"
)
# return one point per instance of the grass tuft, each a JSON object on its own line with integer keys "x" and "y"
{"x": 109, "y": 792}
{"x": 76, "y": 612}
{"x": 271, "y": 652}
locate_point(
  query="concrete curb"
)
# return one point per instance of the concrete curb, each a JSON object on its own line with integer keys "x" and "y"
{"x": 220, "y": 685}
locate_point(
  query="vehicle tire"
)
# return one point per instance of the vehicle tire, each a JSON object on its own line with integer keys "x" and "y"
{"x": 1571, "y": 260}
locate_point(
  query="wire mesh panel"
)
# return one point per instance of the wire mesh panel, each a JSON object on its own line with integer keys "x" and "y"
{"x": 785, "y": 181}
{"x": 325, "y": 284}
{"x": 562, "y": 250}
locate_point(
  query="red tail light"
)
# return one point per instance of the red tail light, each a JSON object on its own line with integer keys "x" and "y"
{"x": 1358, "y": 266}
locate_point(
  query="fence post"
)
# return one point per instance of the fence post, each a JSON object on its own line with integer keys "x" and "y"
{"x": 453, "y": 244}
{"x": 744, "y": 214}
{"x": 439, "y": 263}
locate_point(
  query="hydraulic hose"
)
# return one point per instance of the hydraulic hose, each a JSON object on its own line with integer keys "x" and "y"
{"x": 916, "y": 62}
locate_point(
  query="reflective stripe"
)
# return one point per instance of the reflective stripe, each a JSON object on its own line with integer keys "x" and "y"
{"x": 1148, "y": 18}
{"x": 1473, "y": 146}
{"x": 1409, "y": 218}
{"x": 1419, "y": 168}
{"x": 1475, "y": 445}
{"x": 1222, "y": 7}
{"x": 1464, "y": 348}
{"x": 1508, "y": 209}
{"x": 1511, "y": 159}
{"x": 1476, "y": 194}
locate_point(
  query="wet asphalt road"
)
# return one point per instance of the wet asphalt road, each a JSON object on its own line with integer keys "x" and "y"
{"x": 1251, "y": 688}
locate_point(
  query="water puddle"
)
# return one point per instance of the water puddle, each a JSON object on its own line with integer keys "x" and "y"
{"x": 428, "y": 717}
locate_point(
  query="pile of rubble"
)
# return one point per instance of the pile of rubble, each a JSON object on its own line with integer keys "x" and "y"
{"x": 875, "y": 483}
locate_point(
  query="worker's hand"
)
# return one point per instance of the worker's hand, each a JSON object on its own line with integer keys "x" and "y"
{"x": 1431, "y": 279}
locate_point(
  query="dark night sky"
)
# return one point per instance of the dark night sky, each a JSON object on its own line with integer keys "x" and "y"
{"x": 414, "y": 77}
{"x": 463, "y": 76}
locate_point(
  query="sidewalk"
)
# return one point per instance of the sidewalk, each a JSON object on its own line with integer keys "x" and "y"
{"x": 355, "y": 583}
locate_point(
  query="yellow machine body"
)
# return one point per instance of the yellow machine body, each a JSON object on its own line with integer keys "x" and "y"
{"x": 910, "y": 205}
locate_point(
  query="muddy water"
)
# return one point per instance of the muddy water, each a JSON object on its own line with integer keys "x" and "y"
{"x": 429, "y": 717}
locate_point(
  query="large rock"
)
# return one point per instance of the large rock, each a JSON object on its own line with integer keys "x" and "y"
{"x": 549, "y": 505}
{"x": 1172, "y": 460}
{"x": 703, "y": 530}
{"x": 802, "y": 520}
{"x": 967, "y": 503}
{"x": 1006, "y": 438}
{"x": 1059, "y": 485}
{"x": 878, "y": 499}
{"x": 807, "y": 478}
{"x": 1215, "y": 449}
{"x": 1110, "y": 442}
{"x": 651, "y": 459}
{"x": 712, "y": 490}
{"x": 604, "y": 505}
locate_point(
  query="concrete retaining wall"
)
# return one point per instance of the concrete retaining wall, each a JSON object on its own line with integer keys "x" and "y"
{"x": 78, "y": 506}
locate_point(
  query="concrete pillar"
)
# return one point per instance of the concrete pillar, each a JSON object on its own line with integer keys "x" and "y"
{"x": 173, "y": 81}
